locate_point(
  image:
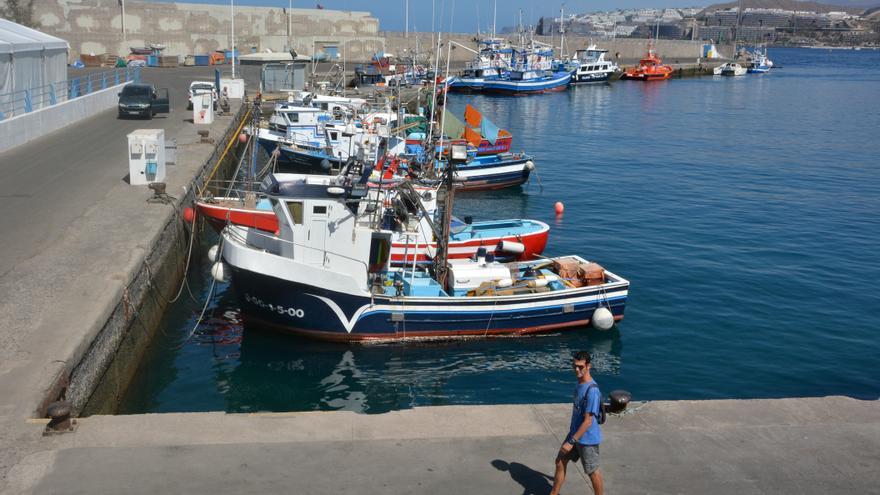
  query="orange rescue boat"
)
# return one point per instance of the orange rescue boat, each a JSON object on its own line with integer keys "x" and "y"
{"x": 650, "y": 68}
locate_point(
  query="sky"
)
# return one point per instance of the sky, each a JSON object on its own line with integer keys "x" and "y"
{"x": 466, "y": 15}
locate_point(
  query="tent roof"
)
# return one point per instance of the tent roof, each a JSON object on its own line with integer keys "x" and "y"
{"x": 17, "y": 38}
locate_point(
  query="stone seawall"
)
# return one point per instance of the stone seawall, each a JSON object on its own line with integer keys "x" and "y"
{"x": 96, "y": 27}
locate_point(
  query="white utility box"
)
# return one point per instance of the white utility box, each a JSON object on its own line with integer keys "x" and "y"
{"x": 234, "y": 88}
{"x": 146, "y": 156}
{"x": 203, "y": 108}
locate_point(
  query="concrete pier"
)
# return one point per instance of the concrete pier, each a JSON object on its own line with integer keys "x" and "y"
{"x": 86, "y": 263}
{"x": 787, "y": 446}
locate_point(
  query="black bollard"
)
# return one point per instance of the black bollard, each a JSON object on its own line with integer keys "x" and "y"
{"x": 619, "y": 400}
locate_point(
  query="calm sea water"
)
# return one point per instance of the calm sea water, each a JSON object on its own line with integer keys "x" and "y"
{"x": 745, "y": 212}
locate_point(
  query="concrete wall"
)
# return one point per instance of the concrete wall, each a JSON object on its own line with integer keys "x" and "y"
{"x": 23, "y": 128}
{"x": 95, "y": 26}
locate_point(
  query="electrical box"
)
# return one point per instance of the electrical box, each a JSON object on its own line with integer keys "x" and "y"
{"x": 146, "y": 156}
{"x": 203, "y": 108}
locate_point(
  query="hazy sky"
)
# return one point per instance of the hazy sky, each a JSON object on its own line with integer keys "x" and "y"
{"x": 467, "y": 13}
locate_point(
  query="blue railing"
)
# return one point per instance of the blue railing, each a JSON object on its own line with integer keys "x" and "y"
{"x": 28, "y": 100}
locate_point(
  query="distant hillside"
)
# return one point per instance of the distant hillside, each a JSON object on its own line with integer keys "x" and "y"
{"x": 850, "y": 6}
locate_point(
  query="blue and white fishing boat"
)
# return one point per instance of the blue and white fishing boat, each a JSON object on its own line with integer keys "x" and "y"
{"x": 528, "y": 81}
{"x": 760, "y": 62}
{"x": 490, "y": 63}
{"x": 493, "y": 171}
{"x": 312, "y": 130}
{"x": 326, "y": 274}
{"x": 299, "y": 133}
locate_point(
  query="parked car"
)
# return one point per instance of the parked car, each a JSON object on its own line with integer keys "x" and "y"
{"x": 143, "y": 100}
{"x": 202, "y": 87}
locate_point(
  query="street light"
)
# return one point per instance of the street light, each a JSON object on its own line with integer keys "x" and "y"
{"x": 232, "y": 26}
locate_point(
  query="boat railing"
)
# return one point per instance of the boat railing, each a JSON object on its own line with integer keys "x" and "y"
{"x": 235, "y": 234}
{"x": 228, "y": 189}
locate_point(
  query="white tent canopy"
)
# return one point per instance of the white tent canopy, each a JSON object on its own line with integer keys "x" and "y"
{"x": 30, "y": 60}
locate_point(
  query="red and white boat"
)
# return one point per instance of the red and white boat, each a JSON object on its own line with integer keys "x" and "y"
{"x": 412, "y": 237}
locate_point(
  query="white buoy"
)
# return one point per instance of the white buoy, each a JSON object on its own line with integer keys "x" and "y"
{"x": 602, "y": 319}
{"x": 511, "y": 247}
{"x": 530, "y": 165}
{"x": 218, "y": 271}
{"x": 505, "y": 282}
{"x": 214, "y": 253}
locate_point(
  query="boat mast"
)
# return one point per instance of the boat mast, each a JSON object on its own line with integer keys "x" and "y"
{"x": 494, "y": 16}
{"x": 562, "y": 31}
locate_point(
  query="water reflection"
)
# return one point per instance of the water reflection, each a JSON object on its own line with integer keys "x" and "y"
{"x": 279, "y": 373}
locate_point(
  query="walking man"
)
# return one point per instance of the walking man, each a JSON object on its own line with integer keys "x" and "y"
{"x": 584, "y": 435}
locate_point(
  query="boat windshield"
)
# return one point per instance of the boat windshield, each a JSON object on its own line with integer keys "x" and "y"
{"x": 456, "y": 226}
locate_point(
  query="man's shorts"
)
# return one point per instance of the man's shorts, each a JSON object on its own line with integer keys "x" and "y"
{"x": 589, "y": 457}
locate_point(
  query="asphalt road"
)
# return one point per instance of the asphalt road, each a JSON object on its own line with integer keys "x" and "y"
{"x": 49, "y": 182}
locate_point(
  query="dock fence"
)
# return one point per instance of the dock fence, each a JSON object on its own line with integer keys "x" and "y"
{"x": 28, "y": 100}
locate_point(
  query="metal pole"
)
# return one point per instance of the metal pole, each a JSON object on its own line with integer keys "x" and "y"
{"x": 494, "y": 16}
{"x": 406, "y": 19}
{"x": 232, "y": 25}
{"x": 124, "y": 35}
{"x": 289, "y": 28}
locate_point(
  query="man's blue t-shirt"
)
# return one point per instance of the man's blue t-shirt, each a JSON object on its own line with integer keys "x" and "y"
{"x": 582, "y": 404}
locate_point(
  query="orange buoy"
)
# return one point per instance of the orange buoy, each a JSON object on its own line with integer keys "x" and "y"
{"x": 189, "y": 214}
{"x": 559, "y": 207}
{"x": 242, "y": 137}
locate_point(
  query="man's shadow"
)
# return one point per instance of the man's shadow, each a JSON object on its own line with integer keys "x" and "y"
{"x": 533, "y": 482}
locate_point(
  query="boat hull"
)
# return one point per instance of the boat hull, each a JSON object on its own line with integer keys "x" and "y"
{"x": 307, "y": 310}
{"x": 590, "y": 78}
{"x": 643, "y": 76}
{"x": 290, "y": 158}
{"x": 490, "y": 173}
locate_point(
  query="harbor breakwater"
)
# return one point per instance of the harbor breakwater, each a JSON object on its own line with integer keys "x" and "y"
{"x": 96, "y": 27}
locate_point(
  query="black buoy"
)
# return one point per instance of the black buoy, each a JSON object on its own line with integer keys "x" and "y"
{"x": 468, "y": 219}
{"x": 619, "y": 400}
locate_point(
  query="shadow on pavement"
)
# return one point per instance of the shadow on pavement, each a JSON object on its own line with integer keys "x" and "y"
{"x": 533, "y": 482}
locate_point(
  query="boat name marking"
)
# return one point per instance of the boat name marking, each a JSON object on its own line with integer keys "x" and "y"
{"x": 277, "y": 308}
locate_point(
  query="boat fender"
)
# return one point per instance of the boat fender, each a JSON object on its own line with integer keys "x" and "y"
{"x": 551, "y": 278}
{"x": 325, "y": 164}
{"x": 504, "y": 282}
{"x": 214, "y": 253}
{"x": 602, "y": 319}
{"x": 538, "y": 282}
{"x": 511, "y": 247}
{"x": 530, "y": 165}
{"x": 219, "y": 271}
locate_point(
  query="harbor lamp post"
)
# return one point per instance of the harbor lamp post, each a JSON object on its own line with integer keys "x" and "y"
{"x": 232, "y": 31}
{"x": 124, "y": 35}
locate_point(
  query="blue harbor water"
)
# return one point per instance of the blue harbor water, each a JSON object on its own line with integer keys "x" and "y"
{"x": 745, "y": 212}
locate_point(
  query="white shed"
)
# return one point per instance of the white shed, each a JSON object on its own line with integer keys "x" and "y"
{"x": 29, "y": 59}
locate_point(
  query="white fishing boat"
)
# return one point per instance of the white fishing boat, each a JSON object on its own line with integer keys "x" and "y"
{"x": 326, "y": 274}
{"x": 592, "y": 67}
{"x": 730, "y": 69}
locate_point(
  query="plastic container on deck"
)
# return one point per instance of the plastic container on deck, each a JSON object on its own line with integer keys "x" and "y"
{"x": 203, "y": 59}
